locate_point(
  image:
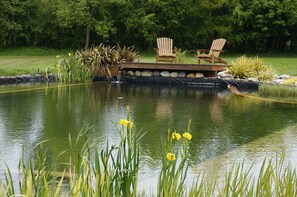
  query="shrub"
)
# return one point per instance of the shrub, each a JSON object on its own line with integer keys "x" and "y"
{"x": 244, "y": 67}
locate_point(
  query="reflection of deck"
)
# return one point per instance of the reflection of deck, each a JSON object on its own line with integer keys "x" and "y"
{"x": 207, "y": 69}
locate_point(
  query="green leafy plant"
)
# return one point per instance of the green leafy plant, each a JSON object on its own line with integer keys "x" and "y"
{"x": 173, "y": 173}
{"x": 181, "y": 56}
{"x": 70, "y": 70}
{"x": 244, "y": 67}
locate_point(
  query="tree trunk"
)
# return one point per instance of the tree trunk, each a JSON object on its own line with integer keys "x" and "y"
{"x": 87, "y": 37}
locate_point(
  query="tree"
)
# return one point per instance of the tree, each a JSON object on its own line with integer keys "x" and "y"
{"x": 265, "y": 24}
{"x": 90, "y": 15}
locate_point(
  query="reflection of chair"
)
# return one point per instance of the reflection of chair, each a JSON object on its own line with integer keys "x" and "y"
{"x": 165, "y": 50}
{"x": 213, "y": 53}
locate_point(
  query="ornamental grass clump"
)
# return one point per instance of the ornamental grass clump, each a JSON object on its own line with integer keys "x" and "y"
{"x": 244, "y": 67}
{"x": 175, "y": 163}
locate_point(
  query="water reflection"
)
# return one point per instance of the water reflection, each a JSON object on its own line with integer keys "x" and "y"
{"x": 221, "y": 122}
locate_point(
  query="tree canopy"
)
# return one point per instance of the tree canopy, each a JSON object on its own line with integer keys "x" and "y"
{"x": 248, "y": 25}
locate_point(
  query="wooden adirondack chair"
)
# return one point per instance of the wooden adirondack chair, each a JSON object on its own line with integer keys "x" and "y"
{"x": 213, "y": 53}
{"x": 165, "y": 52}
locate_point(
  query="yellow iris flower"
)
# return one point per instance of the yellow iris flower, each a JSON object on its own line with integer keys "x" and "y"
{"x": 126, "y": 122}
{"x": 175, "y": 136}
{"x": 187, "y": 135}
{"x": 170, "y": 157}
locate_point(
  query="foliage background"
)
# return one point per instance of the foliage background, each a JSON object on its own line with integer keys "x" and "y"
{"x": 248, "y": 25}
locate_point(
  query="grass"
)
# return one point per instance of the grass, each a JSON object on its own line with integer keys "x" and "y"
{"x": 281, "y": 92}
{"x": 21, "y": 61}
{"x": 19, "y": 65}
{"x": 35, "y": 60}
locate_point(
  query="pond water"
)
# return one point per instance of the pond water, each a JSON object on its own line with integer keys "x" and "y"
{"x": 225, "y": 128}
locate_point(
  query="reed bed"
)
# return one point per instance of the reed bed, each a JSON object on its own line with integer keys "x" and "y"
{"x": 113, "y": 171}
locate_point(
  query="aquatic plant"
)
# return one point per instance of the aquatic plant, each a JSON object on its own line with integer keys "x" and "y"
{"x": 113, "y": 171}
{"x": 70, "y": 70}
{"x": 175, "y": 164}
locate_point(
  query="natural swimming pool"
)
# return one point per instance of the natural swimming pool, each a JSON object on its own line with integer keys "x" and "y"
{"x": 225, "y": 128}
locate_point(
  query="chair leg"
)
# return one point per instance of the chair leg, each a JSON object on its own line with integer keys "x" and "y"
{"x": 198, "y": 61}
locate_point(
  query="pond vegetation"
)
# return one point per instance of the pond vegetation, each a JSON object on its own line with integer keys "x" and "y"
{"x": 114, "y": 170}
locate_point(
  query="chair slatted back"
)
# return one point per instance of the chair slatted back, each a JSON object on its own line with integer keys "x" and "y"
{"x": 217, "y": 44}
{"x": 165, "y": 45}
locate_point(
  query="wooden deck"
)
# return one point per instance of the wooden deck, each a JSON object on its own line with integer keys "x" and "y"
{"x": 207, "y": 69}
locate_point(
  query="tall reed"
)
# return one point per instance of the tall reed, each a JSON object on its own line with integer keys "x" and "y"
{"x": 173, "y": 173}
{"x": 70, "y": 70}
{"x": 114, "y": 172}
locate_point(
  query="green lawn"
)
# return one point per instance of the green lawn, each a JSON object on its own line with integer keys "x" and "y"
{"x": 18, "y": 65}
{"x": 36, "y": 60}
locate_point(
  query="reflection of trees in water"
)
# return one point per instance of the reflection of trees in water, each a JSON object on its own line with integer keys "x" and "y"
{"x": 220, "y": 121}
{"x": 21, "y": 124}
{"x": 159, "y": 108}
{"x": 69, "y": 108}
{"x": 242, "y": 124}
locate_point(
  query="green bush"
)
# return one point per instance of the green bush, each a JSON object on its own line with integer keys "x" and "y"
{"x": 244, "y": 67}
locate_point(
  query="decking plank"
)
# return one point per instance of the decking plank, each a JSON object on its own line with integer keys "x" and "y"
{"x": 165, "y": 66}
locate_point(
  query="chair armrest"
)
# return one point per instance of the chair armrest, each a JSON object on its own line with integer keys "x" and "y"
{"x": 219, "y": 50}
{"x": 156, "y": 49}
{"x": 201, "y": 50}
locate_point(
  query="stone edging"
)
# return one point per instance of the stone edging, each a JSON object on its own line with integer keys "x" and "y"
{"x": 37, "y": 78}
